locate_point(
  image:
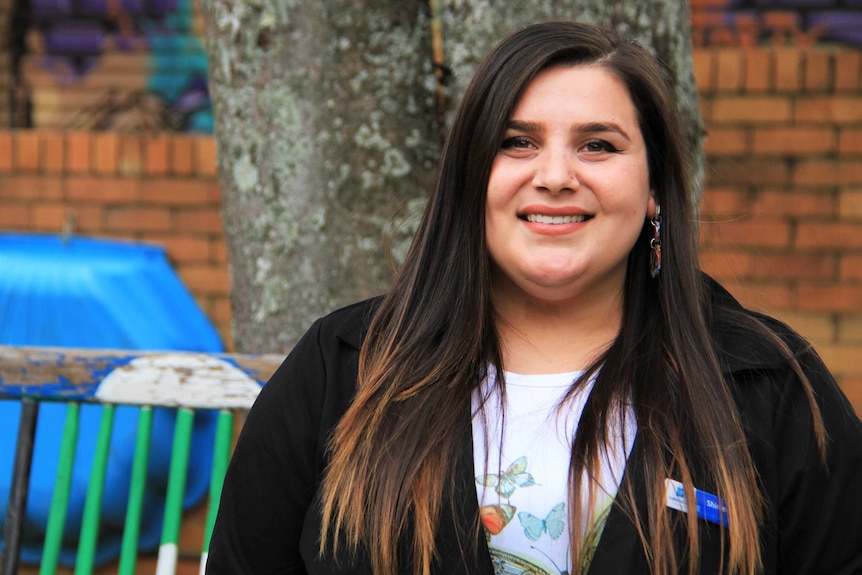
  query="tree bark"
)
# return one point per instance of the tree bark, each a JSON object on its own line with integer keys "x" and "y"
{"x": 470, "y": 28}
{"x": 326, "y": 138}
{"x": 328, "y": 117}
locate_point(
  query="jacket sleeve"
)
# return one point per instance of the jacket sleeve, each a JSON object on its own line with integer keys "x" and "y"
{"x": 273, "y": 472}
{"x": 819, "y": 508}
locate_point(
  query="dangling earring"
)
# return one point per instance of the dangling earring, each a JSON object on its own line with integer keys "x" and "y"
{"x": 655, "y": 243}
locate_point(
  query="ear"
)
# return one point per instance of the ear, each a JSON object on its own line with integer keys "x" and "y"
{"x": 651, "y": 205}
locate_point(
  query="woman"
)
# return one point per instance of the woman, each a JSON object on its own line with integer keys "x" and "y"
{"x": 551, "y": 385}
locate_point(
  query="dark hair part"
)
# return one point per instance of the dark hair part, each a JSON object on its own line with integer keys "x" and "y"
{"x": 430, "y": 343}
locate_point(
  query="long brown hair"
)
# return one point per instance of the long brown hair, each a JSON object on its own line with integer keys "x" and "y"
{"x": 428, "y": 347}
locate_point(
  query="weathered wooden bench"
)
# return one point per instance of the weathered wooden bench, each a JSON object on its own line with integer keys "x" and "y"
{"x": 187, "y": 382}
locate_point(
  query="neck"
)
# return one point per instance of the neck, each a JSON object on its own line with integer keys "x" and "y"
{"x": 554, "y": 337}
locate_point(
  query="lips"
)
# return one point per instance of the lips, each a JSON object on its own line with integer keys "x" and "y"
{"x": 547, "y": 219}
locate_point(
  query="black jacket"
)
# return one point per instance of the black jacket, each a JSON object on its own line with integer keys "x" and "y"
{"x": 268, "y": 519}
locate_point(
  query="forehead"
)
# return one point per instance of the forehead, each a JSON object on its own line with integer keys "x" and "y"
{"x": 574, "y": 92}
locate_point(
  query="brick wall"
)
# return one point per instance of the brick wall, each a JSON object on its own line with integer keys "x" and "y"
{"x": 159, "y": 189}
{"x": 782, "y": 214}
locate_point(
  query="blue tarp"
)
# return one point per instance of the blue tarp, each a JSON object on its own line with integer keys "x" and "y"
{"x": 93, "y": 293}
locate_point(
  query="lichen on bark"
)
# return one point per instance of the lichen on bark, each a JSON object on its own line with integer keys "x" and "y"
{"x": 322, "y": 123}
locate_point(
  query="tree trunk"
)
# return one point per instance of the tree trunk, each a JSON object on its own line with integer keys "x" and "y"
{"x": 470, "y": 28}
{"x": 324, "y": 125}
{"x": 328, "y": 133}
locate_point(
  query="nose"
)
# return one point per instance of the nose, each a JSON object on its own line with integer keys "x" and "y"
{"x": 555, "y": 172}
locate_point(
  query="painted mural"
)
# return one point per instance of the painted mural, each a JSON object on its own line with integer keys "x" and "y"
{"x": 780, "y": 22}
{"x": 127, "y": 65}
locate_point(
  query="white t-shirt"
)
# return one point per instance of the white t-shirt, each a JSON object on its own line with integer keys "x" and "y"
{"x": 522, "y": 484}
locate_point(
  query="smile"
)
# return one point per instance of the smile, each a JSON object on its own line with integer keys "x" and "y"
{"x": 541, "y": 219}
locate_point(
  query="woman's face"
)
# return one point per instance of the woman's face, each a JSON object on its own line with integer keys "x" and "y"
{"x": 569, "y": 189}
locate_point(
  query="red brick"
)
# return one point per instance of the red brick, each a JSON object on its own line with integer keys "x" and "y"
{"x": 7, "y": 148}
{"x": 703, "y": 5}
{"x": 842, "y": 360}
{"x": 156, "y": 159}
{"x": 828, "y": 173}
{"x": 829, "y": 109}
{"x": 206, "y": 220}
{"x": 14, "y": 216}
{"x": 850, "y": 329}
{"x": 758, "y": 71}
{"x": 88, "y": 219}
{"x": 851, "y": 268}
{"x": 830, "y": 235}
{"x": 752, "y": 232}
{"x": 793, "y": 266}
{"x": 52, "y": 154}
{"x": 850, "y": 140}
{"x": 767, "y": 298}
{"x": 726, "y": 141}
{"x": 175, "y": 192}
{"x": 48, "y": 216}
{"x": 818, "y": 328}
{"x": 783, "y": 24}
{"x": 729, "y": 70}
{"x": 726, "y": 264}
{"x": 852, "y": 388}
{"x": 850, "y": 204}
{"x": 182, "y": 155}
{"x": 206, "y": 279}
{"x": 751, "y": 109}
{"x": 104, "y": 159}
{"x": 724, "y": 201}
{"x": 104, "y": 190}
{"x": 748, "y": 30}
{"x": 130, "y": 156}
{"x": 703, "y": 64}
{"x": 794, "y": 141}
{"x": 848, "y": 70}
{"x": 219, "y": 310}
{"x": 186, "y": 249}
{"x": 214, "y": 193}
{"x": 205, "y": 156}
{"x": 219, "y": 250}
{"x": 31, "y": 188}
{"x": 740, "y": 172}
{"x": 26, "y": 151}
{"x": 704, "y": 105}
{"x": 818, "y": 71}
{"x": 226, "y": 334}
{"x": 723, "y": 36}
{"x": 78, "y": 152}
{"x": 788, "y": 69}
{"x": 792, "y": 203}
{"x": 138, "y": 219}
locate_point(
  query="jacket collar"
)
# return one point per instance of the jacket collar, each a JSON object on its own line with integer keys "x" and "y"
{"x": 738, "y": 349}
{"x": 734, "y": 331}
{"x": 355, "y": 320}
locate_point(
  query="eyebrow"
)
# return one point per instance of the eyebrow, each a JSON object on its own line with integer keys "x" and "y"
{"x": 588, "y": 128}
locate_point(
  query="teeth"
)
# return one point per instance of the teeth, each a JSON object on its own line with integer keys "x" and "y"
{"x": 540, "y": 219}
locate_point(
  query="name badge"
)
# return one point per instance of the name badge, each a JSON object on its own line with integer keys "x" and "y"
{"x": 709, "y": 506}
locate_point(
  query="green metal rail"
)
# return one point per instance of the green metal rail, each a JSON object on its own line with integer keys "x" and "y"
{"x": 187, "y": 382}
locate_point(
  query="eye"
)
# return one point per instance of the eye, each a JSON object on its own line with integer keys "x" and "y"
{"x": 597, "y": 146}
{"x": 517, "y": 143}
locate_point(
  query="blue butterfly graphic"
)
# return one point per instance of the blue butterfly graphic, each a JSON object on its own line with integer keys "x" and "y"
{"x": 505, "y": 483}
{"x": 553, "y": 524}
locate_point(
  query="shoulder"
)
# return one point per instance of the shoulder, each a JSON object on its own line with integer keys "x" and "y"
{"x": 774, "y": 374}
{"x": 327, "y": 354}
{"x": 347, "y": 324}
{"x": 746, "y": 339}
